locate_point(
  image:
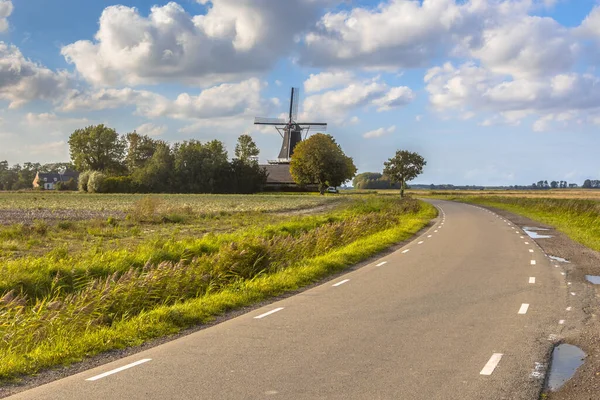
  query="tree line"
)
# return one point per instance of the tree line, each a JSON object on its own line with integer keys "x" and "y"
{"x": 17, "y": 177}
{"x": 134, "y": 163}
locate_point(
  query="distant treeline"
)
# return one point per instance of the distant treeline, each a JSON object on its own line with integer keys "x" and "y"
{"x": 137, "y": 163}
{"x": 373, "y": 180}
{"x": 134, "y": 163}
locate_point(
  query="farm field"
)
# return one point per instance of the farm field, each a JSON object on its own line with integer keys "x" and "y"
{"x": 151, "y": 266}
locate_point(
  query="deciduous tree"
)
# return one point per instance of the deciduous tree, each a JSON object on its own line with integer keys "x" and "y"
{"x": 97, "y": 148}
{"x": 320, "y": 160}
{"x": 245, "y": 149}
{"x": 404, "y": 167}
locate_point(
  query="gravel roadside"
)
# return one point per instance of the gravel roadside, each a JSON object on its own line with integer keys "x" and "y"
{"x": 582, "y": 325}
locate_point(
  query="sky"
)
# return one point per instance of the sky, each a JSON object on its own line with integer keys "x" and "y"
{"x": 490, "y": 92}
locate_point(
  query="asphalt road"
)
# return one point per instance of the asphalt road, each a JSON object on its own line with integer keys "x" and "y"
{"x": 455, "y": 314}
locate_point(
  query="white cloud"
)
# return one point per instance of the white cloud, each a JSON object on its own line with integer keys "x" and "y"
{"x": 327, "y": 80}
{"x": 529, "y": 46}
{"x": 225, "y": 105}
{"x": 6, "y": 9}
{"x": 380, "y": 132}
{"x": 336, "y": 104}
{"x": 404, "y": 33}
{"x": 470, "y": 88}
{"x": 394, "y": 98}
{"x": 22, "y": 80}
{"x": 234, "y": 39}
{"x": 151, "y": 129}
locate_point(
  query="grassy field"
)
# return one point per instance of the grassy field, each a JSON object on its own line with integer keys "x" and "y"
{"x": 72, "y": 289}
{"x": 573, "y": 212}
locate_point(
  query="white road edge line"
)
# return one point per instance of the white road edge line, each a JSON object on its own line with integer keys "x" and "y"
{"x": 523, "y": 309}
{"x": 429, "y": 236}
{"x": 381, "y": 263}
{"x": 421, "y": 242}
{"x": 532, "y": 279}
{"x": 533, "y": 262}
{"x": 491, "y": 365}
{"x": 405, "y": 251}
{"x": 269, "y": 313}
{"x": 341, "y": 283}
{"x": 114, "y": 371}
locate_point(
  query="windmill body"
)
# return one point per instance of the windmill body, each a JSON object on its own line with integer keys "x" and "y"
{"x": 291, "y": 131}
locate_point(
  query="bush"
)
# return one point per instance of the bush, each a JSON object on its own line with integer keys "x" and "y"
{"x": 120, "y": 184}
{"x": 84, "y": 178}
{"x": 96, "y": 182}
{"x": 71, "y": 184}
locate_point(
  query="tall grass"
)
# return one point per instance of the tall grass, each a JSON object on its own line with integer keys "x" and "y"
{"x": 63, "y": 315}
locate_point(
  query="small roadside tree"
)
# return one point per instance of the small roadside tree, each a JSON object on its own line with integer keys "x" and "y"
{"x": 320, "y": 160}
{"x": 404, "y": 167}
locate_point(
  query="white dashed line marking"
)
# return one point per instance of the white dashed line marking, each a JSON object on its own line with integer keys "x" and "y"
{"x": 435, "y": 231}
{"x": 381, "y": 263}
{"x": 430, "y": 236}
{"x": 569, "y": 308}
{"x": 341, "y": 283}
{"x": 405, "y": 251}
{"x": 269, "y": 313}
{"x": 491, "y": 364}
{"x": 562, "y": 273}
{"x": 531, "y": 250}
{"x": 533, "y": 262}
{"x": 561, "y": 322}
{"x": 114, "y": 371}
{"x": 421, "y": 242}
{"x": 573, "y": 294}
{"x": 532, "y": 279}
{"x": 523, "y": 309}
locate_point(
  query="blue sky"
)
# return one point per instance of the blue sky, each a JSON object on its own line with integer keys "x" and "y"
{"x": 489, "y": 91}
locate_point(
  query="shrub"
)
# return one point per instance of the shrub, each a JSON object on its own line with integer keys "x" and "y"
{"x": 119, "y": 184}
{"x": 84, "y": 178}
{"x": 96, "y": 182}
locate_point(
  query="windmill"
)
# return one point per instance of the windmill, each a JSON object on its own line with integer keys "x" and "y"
{"x": 291, "y": 131}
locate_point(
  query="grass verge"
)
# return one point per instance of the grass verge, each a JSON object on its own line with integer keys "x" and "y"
{"x": 577, "y": 218}
{"x": 61, "y": 330}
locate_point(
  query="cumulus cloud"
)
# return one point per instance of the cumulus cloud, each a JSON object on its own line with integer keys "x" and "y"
{"x": 410, "y": 34}
{"x": 327, "y": 80}
{"x": 380, "y": 132}
{"x": 151, "y": 129}
{"x": 471, "y": 88}
{"x": 22, "y": 80}
{"x": 6, "y": 9}
{"x": 336, "y": 104}
{"x": 216, "y": 103}
{"x": 233, "y": 39}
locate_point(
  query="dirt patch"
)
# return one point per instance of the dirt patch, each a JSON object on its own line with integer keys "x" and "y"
{"x": 28, "y": 216}
{"x": 582, "y": 327}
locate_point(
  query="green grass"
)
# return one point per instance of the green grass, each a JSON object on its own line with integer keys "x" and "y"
{"x": 52, "y": 315}
{"x": 577, "y": 218}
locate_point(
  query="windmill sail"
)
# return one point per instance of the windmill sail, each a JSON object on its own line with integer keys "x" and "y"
{"x": 291, "y": 130}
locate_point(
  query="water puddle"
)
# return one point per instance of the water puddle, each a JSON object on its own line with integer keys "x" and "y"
{"x": 565, "y": 361}
{"x": 533, "y": 232}
{"x": 559, "y": 259}
{"x": 595, "y": 279}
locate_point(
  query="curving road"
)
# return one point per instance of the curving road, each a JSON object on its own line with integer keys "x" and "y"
{"x": 462, "y": 312}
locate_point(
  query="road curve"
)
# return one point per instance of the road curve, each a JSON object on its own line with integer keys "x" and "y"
{"x": 462, "y": 312}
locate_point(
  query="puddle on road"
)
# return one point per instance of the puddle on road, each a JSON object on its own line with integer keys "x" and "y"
{"x": 533, "y": 232}
{"x": 566, "y": 359}
{"x": 559, "y": 259}
{"x": 595, "y": 279}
